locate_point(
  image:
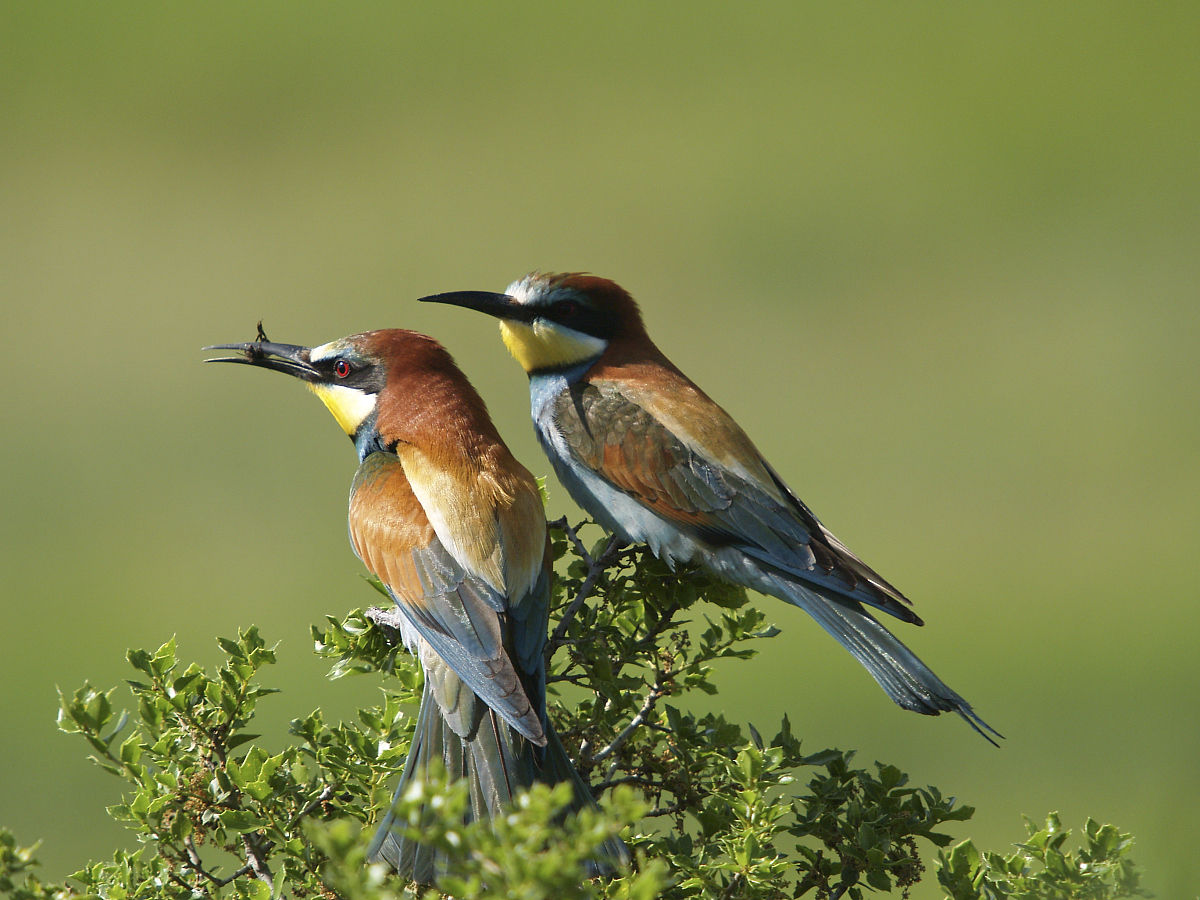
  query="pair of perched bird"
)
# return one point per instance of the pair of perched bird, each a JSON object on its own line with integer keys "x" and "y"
{"x": 454, "y": 527}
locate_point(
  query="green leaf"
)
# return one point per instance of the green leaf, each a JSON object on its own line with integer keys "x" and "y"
{"x": 240, "y": 738}
{"x": 241, "y": 820}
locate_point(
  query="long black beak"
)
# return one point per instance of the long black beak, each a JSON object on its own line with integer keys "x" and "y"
{"x": 290, "y": 359}
{"x": 502, "y": 306}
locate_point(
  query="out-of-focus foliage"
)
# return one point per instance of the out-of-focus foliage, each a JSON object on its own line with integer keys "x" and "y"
{"x": 18, "y": 875}
{"x": 1042, "y": 868}
{"x": 708, "y": 809}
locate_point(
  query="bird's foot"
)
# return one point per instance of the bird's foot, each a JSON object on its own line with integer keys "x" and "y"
{"x": 389, "y": 621}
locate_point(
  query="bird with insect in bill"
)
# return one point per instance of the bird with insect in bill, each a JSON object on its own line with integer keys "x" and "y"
{"x": 453, "y": 527}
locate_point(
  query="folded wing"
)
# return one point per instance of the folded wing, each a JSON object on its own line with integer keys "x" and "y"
{"x": 691, "y": 464}
{"x": 458, "y": 605}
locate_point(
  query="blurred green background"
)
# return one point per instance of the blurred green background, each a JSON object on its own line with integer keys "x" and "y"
{"x": 940, "y": 260}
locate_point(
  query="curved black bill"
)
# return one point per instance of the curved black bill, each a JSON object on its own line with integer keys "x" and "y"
{"x": 291, "y": 359}
{"x": 502, "y": 306}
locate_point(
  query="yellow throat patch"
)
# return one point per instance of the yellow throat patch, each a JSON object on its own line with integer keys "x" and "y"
{"x": 545, "y": 345}
{"x": 348, "y": 405}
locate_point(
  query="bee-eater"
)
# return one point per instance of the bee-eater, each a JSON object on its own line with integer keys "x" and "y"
{"x": 642, "y": 449}
{"x": 453, "y": 526}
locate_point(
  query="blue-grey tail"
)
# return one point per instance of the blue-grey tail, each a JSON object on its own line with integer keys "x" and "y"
{"x": 907, "y": 680}
{"x": 498, "y": 763}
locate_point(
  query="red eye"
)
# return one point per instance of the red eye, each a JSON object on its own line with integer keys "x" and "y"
{"x": 341, "y": 368}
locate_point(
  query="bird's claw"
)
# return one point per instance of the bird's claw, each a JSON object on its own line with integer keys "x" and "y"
{"x": 388, "y": 621}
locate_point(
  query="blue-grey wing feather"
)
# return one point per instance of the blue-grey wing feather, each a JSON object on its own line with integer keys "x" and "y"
{"x": 626, "y": 445}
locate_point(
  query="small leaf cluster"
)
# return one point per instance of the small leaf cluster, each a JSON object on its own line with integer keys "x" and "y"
{"x": 358, "y": 646}
{"x": 1042, "y": 868}
{"x": 218, "y": 813}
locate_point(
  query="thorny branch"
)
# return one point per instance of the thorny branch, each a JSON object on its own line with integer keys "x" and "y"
{"x": 662, "y": 687}
{"x": 673, "y": 810}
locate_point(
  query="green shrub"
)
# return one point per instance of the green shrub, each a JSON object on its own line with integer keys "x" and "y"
{"x": 709, "y": 808}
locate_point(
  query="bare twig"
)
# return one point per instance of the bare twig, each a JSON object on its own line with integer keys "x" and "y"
{"x": 596, "y": 567}
{"x": 193, "y": 889}
{"x": 673, "y": 809}
{"x": 582, "y": 681}
{"x": 255, "y": 860}
{"x": 198, "y": 865}
{"x": 657, "y": 692}
{"x": 630, "y": 779}
{"x": 193, "y": 856}
{"x": 573, "y": 534}
{"x": 325, "y": 794}
{"x": 734, "y": 887}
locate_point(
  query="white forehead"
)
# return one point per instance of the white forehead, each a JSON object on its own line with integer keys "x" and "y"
{"x": 535, "y": 290}
{"x": 327, "y": 351}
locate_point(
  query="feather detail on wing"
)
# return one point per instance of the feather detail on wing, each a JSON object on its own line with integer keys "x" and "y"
{"x": 454, "y": 590}
{"x": 680, "y": 455}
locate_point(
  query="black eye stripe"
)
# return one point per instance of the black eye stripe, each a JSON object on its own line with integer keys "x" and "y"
{"x": 361, "y": 374}
{"x": 582, "y": 317}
